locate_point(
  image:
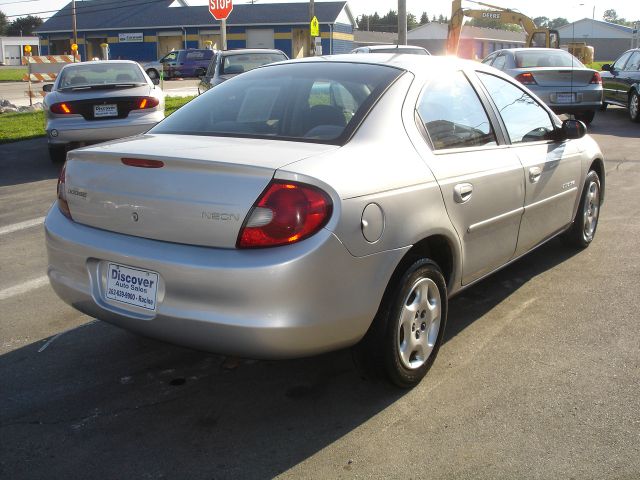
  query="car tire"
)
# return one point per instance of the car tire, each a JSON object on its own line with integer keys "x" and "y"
{"x": 603, "y": 107}
{"x": 57, "y": 154}
{"x": 153, "y": 74}
{"x": 585, "y": 223}
{"x": 586, "y": 116}
{"x": 407, "y": 332}
{"x": 634, "y": 106}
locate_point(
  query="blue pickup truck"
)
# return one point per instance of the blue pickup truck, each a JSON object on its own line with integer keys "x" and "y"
{"x": 180, "y": 64}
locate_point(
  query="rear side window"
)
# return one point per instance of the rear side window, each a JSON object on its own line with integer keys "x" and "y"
{"x": 524, "y": 118}
{"x": 453, "y": 115}
{"x": 313, "y": 102}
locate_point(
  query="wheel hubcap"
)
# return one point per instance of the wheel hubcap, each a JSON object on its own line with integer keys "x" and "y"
{"x": 633, "y": 106}
{"x": 419, "y": 323}
{"x": 591, "y": 210}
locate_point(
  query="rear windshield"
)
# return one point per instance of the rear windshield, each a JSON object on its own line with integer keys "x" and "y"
{"x": 234, "y": 64}
{"x": 319, "y": 102}
{"x": 546, "y": 58}
{"x": 98, "y": 74}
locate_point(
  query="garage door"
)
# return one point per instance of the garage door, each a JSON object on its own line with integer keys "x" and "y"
{"x": 12, "y": 55}
{"x": 260, "y": 38}
{"x": 167, "y": 44}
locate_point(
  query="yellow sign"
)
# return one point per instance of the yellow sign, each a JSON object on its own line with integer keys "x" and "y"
{"x": 74, "y": 47}
{"x": 27, "y": 49}
{"x": 314, "y": 27}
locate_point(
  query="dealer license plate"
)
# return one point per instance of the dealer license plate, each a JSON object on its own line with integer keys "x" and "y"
{"x": 100, "y": 111}
{"x": 565, "y": 97}
{"x": 132, "y": 286}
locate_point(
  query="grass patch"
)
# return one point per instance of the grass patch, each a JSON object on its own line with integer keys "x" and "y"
{"x": 598, "y": 65}
{"x": 24, "y": 126}
{"x": 12, "y": 74}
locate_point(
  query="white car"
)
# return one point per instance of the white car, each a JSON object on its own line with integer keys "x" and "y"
{"x": 93, "y": 102}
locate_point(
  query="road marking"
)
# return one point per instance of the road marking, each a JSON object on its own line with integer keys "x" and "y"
{"x": 21, "y": 226}
{"x": 24, "y": 287}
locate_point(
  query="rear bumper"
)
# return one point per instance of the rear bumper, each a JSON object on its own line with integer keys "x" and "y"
{"x": 585, "y": 98}
{"x": 284, "y": 302}
{"x": 62, "y": 131}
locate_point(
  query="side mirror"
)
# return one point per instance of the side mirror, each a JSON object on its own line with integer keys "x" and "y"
{"x": 47, "y": 88}
{"x": 606, "y": 67}
{"x": 573, "y": 129}
{"x": 156, "y": 81}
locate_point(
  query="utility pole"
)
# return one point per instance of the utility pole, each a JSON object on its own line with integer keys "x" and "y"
{"x": 74, "y": 20}
{"x": 223, "y": 33}
{"x": 312, "y": 40}
{"x": 402, "y": 22}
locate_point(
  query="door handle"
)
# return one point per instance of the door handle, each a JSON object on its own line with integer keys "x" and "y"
{"x": 462, "y": 192}
{"x": 534, "y": 174}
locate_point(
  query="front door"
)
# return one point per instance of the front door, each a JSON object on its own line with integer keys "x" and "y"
{"x": 482, "y": 183}
{"x": 552, "y": 170}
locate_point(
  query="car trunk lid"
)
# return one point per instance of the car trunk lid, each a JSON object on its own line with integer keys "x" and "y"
{"x": 561, "y": 77}
{"x": 185, "y": 189}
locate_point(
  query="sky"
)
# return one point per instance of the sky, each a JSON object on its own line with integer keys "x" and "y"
{"x": 572, "y": 10}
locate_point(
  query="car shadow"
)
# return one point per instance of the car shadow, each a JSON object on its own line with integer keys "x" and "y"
{"x": 98, "y": 402}
{"x": 25, "y": 162}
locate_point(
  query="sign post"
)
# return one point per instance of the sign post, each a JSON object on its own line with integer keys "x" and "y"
{"x": 220, "y": 9}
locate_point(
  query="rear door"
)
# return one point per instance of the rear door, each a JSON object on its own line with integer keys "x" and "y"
{"x": 612, "y": 83}
{"x": 552, "y": 169}
{"x": 481, "y": 181}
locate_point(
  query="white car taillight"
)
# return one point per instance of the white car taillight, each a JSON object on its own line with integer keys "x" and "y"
{"x": 62, "y": 194}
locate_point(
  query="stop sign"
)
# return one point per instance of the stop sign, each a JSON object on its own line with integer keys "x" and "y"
{"x": 220, "y": 9}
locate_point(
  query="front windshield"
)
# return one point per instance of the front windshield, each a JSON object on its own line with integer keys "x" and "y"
{"x": 234, "y": 64}
{"x": 546, "y": 58}
{"x": 100, "y": 74}
{"x": 319, "y": 102}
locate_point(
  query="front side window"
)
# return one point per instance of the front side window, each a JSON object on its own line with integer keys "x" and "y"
{"x": 525, "y": 119}
{"x": 619, "y": 65}
{"x": 489, "y": 59}
{"x": 499, "y": 63}
{"x": 453, "y": 115}
{"x": 634, "y": 63}
{"x": 314, "y": 102}
{"x": 171, "y": 57}
{"x": 234, "y": 64}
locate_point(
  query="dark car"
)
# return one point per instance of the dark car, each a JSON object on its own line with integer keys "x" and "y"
{"x": 181, "y": 63}
{"x": 621, "y": 82}
{"x": 229, "y": 63}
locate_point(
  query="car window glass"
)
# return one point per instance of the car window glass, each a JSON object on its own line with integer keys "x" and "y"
{"x": 170, "y": 57}
{"x": 634, "y": 63}
{"x": 95, "y": 75}
{"x": 313, "y": 102}
{"x": 234, "y": 64}
{"x": 195, "y": 55}
{"x": 546, "y": 58}
{"x": 526, "y": 120}
{"x": 211, "y": 69}
{"x": 499, "y": 62}
{"x": 489, "y": 59}
{"x": 619, "y": 65}
{"x": 453, "y": 115}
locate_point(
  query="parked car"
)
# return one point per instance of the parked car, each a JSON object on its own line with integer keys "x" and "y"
{"x": 621, "y": 82}
{"x": 310, "y": 205}
{"x": 392, "y": 49}
{"x": 96, "y": 101}
{"x": 227, "y": 64}
{"x": 555, "y": 76}
{"x": 180, "y": 63}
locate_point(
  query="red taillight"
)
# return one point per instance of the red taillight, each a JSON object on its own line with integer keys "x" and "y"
{"x": 596, "y": 79}
{"x": 143, "y": 162}
{"x": 61, "y": 108}
{"x": 287, "y": 212}
{"x": 526, "y": 79}
{"x": 62, "y": 194}
{"x": 148, "y": 102}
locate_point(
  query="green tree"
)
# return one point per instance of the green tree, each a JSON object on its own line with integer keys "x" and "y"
{"x": 23, "y": 26}
{"x": 424, "y": 18}
{"x": 412, "y": 21}
{"x": 3, "y": 23}
{"x": 541, "y": 22}
{"x": 610, "y": 15}
{"x": 558, "y": 22}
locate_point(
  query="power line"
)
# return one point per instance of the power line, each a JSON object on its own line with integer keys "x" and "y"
{"x": 86, "y": 9}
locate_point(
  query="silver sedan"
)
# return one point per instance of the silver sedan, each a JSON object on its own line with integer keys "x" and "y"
{"x": 558, "y": 78}
{"x": 318, "y": 204}
{"x": 96, "y": 101}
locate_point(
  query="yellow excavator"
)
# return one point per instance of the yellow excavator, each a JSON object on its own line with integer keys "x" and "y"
{"x": 536, "y": 37}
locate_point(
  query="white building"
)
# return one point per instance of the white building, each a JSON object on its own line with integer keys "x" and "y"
{"x": 608, "y": 39}
{"x": 12, "y": 49}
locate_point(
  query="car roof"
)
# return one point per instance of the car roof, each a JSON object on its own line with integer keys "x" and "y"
{"x": 240, "y": 51}
{"x": 399, "y": 47}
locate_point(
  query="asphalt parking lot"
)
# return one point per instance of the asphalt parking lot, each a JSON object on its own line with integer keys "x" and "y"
{"x": 539, "y": 376}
